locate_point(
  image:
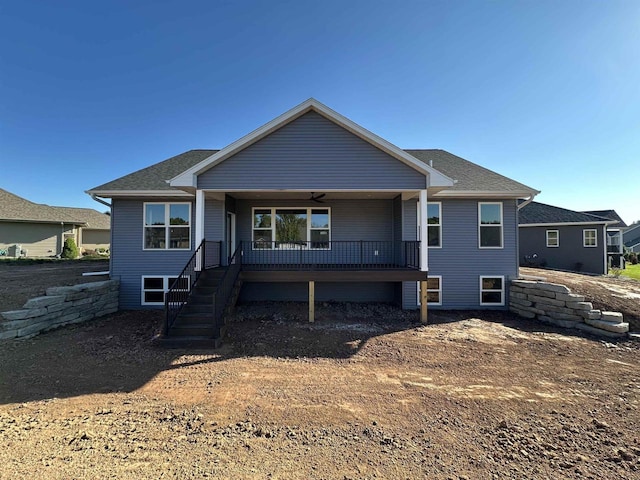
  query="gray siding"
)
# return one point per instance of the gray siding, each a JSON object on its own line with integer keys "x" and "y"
{"x": 324, "y": 292}
{"x": 129, "y": 262}
{"x": 460, "y": 261}
{"x": 570, "y": 253}
{"x": 311, "y": 153}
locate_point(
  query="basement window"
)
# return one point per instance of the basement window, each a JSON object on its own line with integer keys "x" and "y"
{"x": 492, "y": 290}
{"x": 155, "y": 287}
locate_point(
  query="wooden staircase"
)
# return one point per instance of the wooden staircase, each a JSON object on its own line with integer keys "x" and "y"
{"x": 196, "y": 323}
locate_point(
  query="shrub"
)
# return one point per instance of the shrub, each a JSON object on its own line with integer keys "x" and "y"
{"x": 633, "y": 258}
{"x": 70, "y": 249}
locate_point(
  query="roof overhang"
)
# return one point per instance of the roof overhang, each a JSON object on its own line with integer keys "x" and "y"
{"x": 485, "y": 194}
{"x": 189, "y": 177}
{"x": 138, "y": 193}
{"x": 562, "y": 224}
{"x": 50, "y": 222}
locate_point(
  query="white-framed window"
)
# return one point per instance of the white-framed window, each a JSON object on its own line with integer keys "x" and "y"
{"x": 167, "y": 226}
{"x": 434, "y": 228}
{"x": 434, "y": 290}
{"x": 553, "y": 238}
{"x": 288, "y": 228}
{"x": 589, "y": 237}
{"x": 490, "y": 224}
{"x": 492, "y": 290}
{"x": 155, "y": 286}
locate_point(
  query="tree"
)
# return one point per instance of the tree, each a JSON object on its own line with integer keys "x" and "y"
{"x": 70, "y": 249}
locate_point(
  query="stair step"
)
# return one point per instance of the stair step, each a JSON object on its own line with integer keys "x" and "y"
{"x": 200, "y": 308}
{"x": 194, "y": 318}
{"x": 204, "y": 330}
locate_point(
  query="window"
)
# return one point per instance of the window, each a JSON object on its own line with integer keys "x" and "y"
{"x": 590, "y": 237}
{"x": 553, "y": 238}
{"x": 291, "y": 228}
{"x": 492, "y": 291}
{"x": 434, "y": 231}
{"x": 154, "y": 288}
{"x": 434, "y": 290}
{"x": 167, "y": 226}
{"x": 490, "y": 225}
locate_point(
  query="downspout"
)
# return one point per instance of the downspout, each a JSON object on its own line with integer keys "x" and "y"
{"x": 99, "y": 200}
{"x": 520, "y": 207}
{"x": 528, "y": 201}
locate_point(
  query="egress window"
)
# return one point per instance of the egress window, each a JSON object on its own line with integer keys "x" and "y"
{"x": 167, "y": 226}
{"x": 492, "y": 290}
{"x": 434, "y": 290}
{"x": 291, "y": 228}
{"x": 155, "y": 287}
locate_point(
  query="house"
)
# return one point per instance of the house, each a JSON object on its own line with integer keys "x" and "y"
{"x": 30, "y": 229}
{"x": 559, "y": 238}
{"x": 312, "y": 206}
{"x": 631, "y": 238}
{"x": 615, "y": 248}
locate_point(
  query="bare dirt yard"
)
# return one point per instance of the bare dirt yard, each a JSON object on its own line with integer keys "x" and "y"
{"x": 19, "y": 283}
{"x": 363, "y": 393}
{"x": 611, "y": 293}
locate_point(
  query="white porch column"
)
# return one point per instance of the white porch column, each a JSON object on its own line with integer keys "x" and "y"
{"x": 199, "y": 231}
{"x": 424, "y": 229}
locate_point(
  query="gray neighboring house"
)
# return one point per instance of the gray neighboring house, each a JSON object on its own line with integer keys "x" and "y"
{"x": 555, "y": 237}
{"x": 615, "y": 243}
{"x": 29, "y": 229}
{"x": 631, "y": 238}
{"x": 313, "y": 202}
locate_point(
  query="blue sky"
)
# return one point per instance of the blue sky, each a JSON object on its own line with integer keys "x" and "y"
{"x": 546, "y": 92}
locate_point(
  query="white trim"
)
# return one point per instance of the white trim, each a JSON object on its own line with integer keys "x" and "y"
{"x": 165, "y": 287}
{"x": 273, "y": 210}
{"x": 502, "y": 194}
{"x": 558, "y": 225}
{"x": 166, "y": 226}
{"x": 139, "y": 193}
{"x": 424, "y": 231}
{"x": 188, "y": 178}
{"x": 557, "y": 232}
{"x": 232, "y": 247}
{"x": 200, "y": 216}
{"x": 501, "y": 225}
{"x": 584, "y": 237}
{"x": 439, "y": 290}
{"x": 502, "y": 290}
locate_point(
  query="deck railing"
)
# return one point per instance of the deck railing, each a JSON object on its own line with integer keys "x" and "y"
{"x": 331, "y": 255}
{"x": 207, "y": 255}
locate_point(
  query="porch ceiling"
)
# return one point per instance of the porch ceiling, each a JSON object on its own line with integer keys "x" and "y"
{"x": 306, "y": 195}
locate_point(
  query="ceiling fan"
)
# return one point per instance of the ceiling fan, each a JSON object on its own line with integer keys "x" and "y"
{"x": 317, "y": 198}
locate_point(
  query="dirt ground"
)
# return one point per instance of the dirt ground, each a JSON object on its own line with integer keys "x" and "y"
{"x": 19, "y": 283}
{"x": 611, "y": 293}
{"x": 472, "y": 395}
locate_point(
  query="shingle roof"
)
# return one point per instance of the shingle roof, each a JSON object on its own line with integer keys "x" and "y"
{"x": 610, "y": 215}
{"x": 536, "y": 212}
{"x": 469, "y": 176}
{"x": 15, "y": 208}
{"x": 92, "y": 218}
{"x": 155, "y": 176}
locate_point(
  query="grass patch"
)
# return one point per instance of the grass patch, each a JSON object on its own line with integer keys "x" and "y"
{"x": 632, "y": 271}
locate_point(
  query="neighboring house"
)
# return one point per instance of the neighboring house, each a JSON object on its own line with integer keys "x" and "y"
{"x": 30, "y": 229}
{"x": 615, "y": 230}
{"x": 559, "y": 238}
{"x": 631, "y": 238}
{"x": 312, "y": 197}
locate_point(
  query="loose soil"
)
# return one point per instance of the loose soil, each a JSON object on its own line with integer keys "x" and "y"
{"x": 365, "y": 392}
{"x": 606, "y": 292}
{"x": 19, "y": 283}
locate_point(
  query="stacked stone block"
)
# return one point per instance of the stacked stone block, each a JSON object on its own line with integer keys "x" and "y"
{"x": 60, "y": 306}
{"x": 555, "y": 304}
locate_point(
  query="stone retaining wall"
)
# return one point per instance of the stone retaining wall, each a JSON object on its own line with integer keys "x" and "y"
{"x": 60, "y": 306}
{"x": 555, "y": 304}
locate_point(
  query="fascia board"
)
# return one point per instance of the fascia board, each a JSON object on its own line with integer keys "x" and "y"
{"x": 138, "y": 193}
{"x": 562, "y": 224}
{"x": 189, "y": 177}
{"x": 484, "y": 194}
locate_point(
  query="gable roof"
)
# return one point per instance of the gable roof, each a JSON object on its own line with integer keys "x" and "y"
{"x": 17, "y": 209}
{"x": 609, "y": 214}
{"x": 541, "y": 214}
{"x": 188, "y": 178}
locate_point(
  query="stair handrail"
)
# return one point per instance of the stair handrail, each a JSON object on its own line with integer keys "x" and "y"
{"x": 225, "y": 287}
{"x": 176, "y": 298}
